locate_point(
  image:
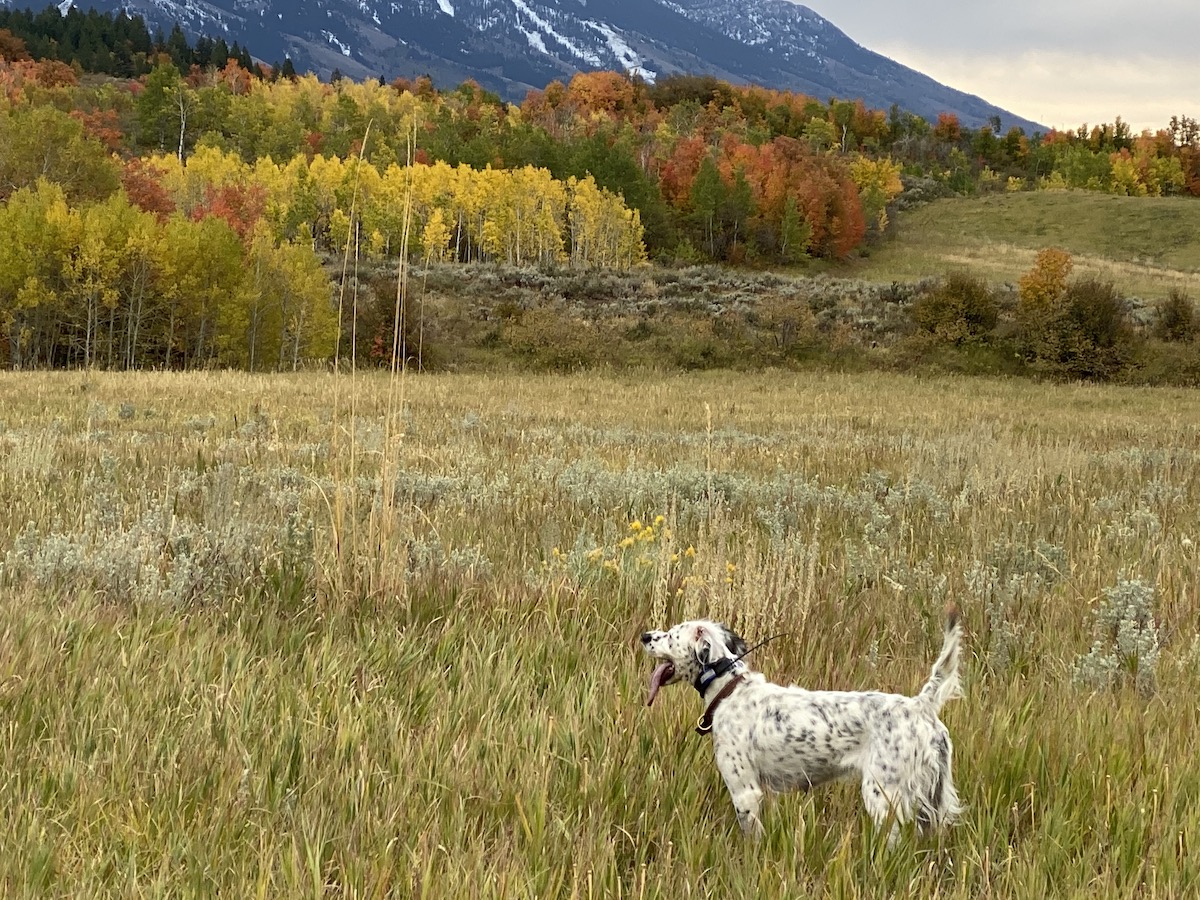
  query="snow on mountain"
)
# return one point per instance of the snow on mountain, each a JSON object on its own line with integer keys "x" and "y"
{"x": 511, "y": 46}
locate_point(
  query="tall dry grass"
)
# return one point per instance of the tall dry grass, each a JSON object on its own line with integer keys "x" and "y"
{"x": 264, "y": 638}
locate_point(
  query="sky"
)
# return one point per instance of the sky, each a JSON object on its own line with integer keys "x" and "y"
{"x": 1061, "y": 63}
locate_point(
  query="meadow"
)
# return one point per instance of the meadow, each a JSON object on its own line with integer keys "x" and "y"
{"x": 1147, "y": 246}
{"x": 362, "y": 636}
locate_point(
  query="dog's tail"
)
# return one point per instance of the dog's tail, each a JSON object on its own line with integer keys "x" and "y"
{"x": 943, "y": 681}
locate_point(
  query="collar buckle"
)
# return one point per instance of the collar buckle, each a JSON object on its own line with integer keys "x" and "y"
{"x": 705, "y": 724}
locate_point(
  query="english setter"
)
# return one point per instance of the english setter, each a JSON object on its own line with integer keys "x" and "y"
{"x": 766, "y": 736}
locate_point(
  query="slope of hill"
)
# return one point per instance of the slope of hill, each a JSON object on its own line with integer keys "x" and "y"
{"x": 1145, "y": 245}
{"x": 512, "y": 45}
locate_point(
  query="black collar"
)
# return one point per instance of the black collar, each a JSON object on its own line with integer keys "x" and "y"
{"x": 712, "y": 672}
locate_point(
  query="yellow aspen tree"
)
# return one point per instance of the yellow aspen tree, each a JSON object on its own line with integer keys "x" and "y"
{"x": 499, "y": 220}
{"x": 435, "y": 236}
{"x": 603, "y": 231}
{"x": 583, "y": 221}
{"x": 36, "y": 224}
{"x": 477, "y": 196}
{"x": 249, "y": 335}
{"x": 633, "y": 242}
{"x": 307, "y": 314}
{"x": 140, "y": 264}
{"x": 1041, "y": 291}
{"x": 207, "y": 168}
{"x": 326, "y": 175}
{"x": 549, "y": 219}
{"x": 878, "y": 183}
{"x": 277, "y": 183}
{"x": 1125, "y": 178}
{"x": 383, "y": 214}
{"x": 92, "y": 273}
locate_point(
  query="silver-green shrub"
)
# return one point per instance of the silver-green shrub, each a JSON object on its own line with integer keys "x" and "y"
{"x": 1127, "y": 644}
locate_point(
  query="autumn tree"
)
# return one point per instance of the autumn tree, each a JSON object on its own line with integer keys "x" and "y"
{"x": 948, "y": 129}
{"x": 12, "y": 48}
{"x": 602, "y": 93}
{"x": 878, "y": 183}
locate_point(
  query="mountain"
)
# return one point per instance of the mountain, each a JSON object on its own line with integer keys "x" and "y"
{"x": 510, "y": 46}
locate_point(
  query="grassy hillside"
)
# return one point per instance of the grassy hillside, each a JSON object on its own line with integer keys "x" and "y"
{"x": 1146, "y": 245}
{"x": 302, "y": 636}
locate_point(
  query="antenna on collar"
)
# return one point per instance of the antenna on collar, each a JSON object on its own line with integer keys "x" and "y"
{"x": 713, "y": 671}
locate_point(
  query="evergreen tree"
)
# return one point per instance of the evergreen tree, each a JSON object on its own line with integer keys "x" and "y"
{"x": 178, "y": 49}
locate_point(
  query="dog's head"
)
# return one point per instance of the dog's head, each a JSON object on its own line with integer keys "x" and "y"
{"x": 685, "y": 650}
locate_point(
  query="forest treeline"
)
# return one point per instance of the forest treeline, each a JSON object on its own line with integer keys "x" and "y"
{"x": 98, "y": 118}
{"x": 113, "y": 43}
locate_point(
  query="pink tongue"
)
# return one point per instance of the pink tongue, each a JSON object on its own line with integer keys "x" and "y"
{"x": 661, "y": 674}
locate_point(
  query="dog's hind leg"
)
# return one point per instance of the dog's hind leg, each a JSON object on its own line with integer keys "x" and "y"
{"x": 883, "y": 799}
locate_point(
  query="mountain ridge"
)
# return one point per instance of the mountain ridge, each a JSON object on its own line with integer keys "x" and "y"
{"x": 513, "y": 46}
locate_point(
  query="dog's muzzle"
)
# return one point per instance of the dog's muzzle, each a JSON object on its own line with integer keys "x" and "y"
{"x": 662, "y": 674}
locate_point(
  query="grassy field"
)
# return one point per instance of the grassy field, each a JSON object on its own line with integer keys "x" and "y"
{"x": 314, "y": 637}
{"x": 1145, "y": 245}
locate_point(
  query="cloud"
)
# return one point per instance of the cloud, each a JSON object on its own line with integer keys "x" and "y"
{"x": 1065, "y": 89}
{"x": 1060, "y": 62}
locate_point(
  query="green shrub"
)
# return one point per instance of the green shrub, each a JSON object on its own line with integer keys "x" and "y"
{"x": 1082, "y": 332}
{"x": 789, "y": 321}
{"x": 960, "y": 308}
{"x": 1165, "y": 362}
{"x": 551, "y": 338}
{"x": 369, "y": 327}
{"x": 1176, "y": 320}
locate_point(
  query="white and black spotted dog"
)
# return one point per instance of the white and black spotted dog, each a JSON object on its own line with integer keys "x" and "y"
{"x": 769, "y": 737}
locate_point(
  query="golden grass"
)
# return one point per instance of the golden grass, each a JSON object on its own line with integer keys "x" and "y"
{"x": 209, "y": 689}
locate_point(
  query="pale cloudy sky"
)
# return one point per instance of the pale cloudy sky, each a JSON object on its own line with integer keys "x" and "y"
{"x": 1058, "y": 62}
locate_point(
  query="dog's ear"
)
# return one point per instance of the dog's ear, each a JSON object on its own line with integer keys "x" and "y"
{"x": 708, "y": 644}
{"x": 733, "y": 642}
{"x": 716, "y": 642}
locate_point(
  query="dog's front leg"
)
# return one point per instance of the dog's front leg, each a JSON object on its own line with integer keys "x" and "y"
{"x": 744, "y": 790}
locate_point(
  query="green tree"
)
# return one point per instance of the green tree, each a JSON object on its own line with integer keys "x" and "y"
{"x": 285, "y": 314}
{"x": 737, "y": 207}
{"x": 201, "y": 270}
{"x": 43, "y": 142}
{"x": 707, "y": 196}
{"x": 167, "y": 111}
{"x": 38, "y": 233}
{"x": 794, "y": 232}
